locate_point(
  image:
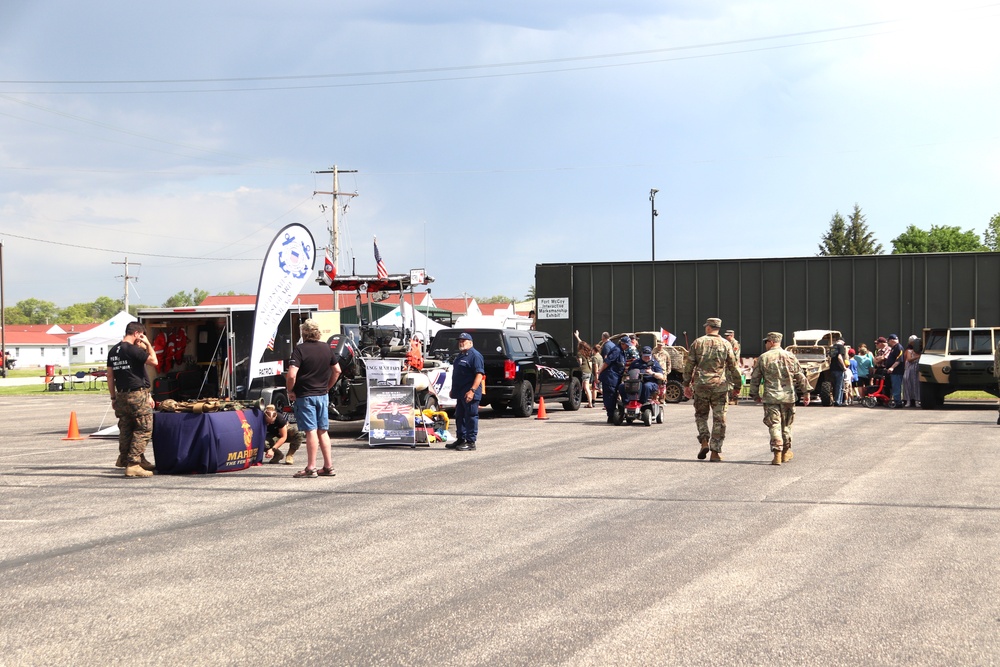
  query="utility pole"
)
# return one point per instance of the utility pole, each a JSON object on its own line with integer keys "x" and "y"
{"x": 335, "y": 229}
{"x": 127, "y": 277}
{"x": 652, "y": 224}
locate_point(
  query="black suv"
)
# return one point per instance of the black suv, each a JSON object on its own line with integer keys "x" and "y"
{"x": 521, "y": 366}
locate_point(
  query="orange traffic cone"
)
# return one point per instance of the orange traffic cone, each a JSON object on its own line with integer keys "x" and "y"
{"x": 74, "y": 430}
{"x": 541, "y": 408}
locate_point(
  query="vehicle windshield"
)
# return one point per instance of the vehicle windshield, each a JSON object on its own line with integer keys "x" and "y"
{"x": 936, "y": 341}
{"x": 445, "y": 343}
{"x": 959, "y": 342}
{"x": 982, "y": 341}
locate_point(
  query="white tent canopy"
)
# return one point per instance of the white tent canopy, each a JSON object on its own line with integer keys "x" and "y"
{"x": 107, "y": 333}
{"x": 404, "y": 317}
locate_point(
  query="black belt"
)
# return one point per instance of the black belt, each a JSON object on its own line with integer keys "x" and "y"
{"x": 132, "y": 391}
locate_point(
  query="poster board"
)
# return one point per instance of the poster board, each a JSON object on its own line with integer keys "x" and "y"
{"x": 381, "y": 373}
{"x": 390, "y": 416}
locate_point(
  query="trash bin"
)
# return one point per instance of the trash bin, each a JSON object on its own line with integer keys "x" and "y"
{"x": 50, "y": 372}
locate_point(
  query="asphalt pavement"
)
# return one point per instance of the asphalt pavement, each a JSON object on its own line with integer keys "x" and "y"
{"x": 559, "y": 542}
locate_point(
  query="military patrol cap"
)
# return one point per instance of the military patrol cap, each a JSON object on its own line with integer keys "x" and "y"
{"x": 772, "y": 337}
{"x": 729, "y": 332}
{"x": 465, "y": 336}
{"x": 713, "y": 322}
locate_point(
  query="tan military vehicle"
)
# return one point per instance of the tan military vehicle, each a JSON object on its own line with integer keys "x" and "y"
{"x": 812, "y": 348}
{"x": 957, "y": 359}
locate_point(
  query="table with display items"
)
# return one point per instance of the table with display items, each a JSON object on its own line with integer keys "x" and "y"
{"x": 186, "y": 442}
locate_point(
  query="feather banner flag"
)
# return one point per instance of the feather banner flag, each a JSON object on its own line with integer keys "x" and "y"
{"x": 287, "y": 266}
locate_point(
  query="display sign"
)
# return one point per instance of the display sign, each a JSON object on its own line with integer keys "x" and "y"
{"x": 381, "y": 373}
{"x": 556, "y": 308}
{"x": 390, "y": 415}
{"x": 418, "y": 277}
{"x": 270, "y": 369}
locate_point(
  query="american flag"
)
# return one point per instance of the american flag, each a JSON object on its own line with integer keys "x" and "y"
{"x": 382, "y": 273}
{"x": 270, "y": 342}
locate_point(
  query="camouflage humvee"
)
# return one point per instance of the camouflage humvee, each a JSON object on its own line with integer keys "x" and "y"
{"x": 957, "y": 359}
{"x": 812, "y": 349}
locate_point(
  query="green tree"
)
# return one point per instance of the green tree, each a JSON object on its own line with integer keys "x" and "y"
{"x": 182, "y": 298}
{"x": 530, "y": 296}
{"x": 78, "y": 313}
{"x": 940, "y": 238}
{"x": 849, "y": 237}
{"x": 31, "y": 311}
{"x": 497, "y": 298}
{"x": 105, "y": 307}
{"x": 991, "y": 237}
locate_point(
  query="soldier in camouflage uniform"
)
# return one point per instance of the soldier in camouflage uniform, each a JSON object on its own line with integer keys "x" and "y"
{"x": 710, "y": 375}
{"x": 781, "y": 375}
{"x": 128, "y": 385}
{"x": 730, "y": 336}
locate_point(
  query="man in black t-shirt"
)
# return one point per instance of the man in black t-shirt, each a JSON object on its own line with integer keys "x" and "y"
{"x": 129, "y": 389}
{"x": 312, "y": 371}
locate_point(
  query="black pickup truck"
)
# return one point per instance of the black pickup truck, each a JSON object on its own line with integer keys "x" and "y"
{"x": 521, "y": 367}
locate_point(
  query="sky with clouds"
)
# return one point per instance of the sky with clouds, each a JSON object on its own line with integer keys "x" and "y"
{"x": 487, "y": 137}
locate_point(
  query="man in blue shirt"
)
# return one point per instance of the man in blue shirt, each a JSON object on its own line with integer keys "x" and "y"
{"x": 468, "y": 377}
{"x": 611, "y": 374}
{"x": 649, "y": 372}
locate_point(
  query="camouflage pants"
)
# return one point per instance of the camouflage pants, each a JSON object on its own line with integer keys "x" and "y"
{"x": 778, "y": 418}
{"x": 717, "y": 402}
{"x": 135, "y": 423}
{"x": 295, "y": 439}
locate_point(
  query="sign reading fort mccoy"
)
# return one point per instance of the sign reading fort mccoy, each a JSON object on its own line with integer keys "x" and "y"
{"x": 555, "y": 308}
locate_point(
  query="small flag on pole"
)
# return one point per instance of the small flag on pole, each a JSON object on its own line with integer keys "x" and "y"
{"x": 329, "y": 268}
{"x": 667, "y": 337}
{"x": 382, "y": 273}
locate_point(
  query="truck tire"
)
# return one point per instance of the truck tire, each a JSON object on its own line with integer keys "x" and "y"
{"x": 523, "y": 402}
{"x": 826, "y": 393}
{"x": 575, "y": 396}
{"x": 673, "y": 392}
{"x": 931, "y": 396}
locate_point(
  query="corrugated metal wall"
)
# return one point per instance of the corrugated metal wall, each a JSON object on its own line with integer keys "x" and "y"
{"x": 864, "y": 296}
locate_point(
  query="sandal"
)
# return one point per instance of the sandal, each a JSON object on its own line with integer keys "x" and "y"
{"x": 326, "y": 472}
{"x": 306, "y": 472}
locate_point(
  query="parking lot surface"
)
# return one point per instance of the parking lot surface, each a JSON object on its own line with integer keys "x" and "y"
{"x": 559, "y": 542}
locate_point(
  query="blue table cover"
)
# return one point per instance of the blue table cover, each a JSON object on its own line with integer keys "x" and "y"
{"x": 184, "y": 442}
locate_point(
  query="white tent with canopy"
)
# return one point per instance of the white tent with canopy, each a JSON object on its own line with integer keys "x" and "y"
{"x": 405, "y": 317}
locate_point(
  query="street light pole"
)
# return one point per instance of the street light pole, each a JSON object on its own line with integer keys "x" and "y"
{"x": 652, "y": 223}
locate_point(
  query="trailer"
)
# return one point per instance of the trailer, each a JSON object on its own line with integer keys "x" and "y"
{"x": 204, "y": 352}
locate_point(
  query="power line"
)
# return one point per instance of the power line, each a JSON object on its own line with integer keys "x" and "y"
{"x": 130, "y": 252}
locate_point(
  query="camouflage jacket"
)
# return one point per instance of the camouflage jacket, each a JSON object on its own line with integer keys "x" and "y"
{"x": 711, "y": 365}
{"x": 781, "y": 375}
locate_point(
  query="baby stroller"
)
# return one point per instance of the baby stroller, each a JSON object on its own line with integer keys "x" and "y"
{"x": 879, "y": 392}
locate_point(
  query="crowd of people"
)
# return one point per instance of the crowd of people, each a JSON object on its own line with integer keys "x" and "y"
{"x": 855, "y": 372}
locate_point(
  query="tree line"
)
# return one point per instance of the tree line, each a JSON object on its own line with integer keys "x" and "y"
{"x": 852, "y": 237}
{"x": 36, "y": 311}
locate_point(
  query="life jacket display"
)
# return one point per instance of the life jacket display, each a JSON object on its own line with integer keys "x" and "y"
{"x": 160, "y": 348}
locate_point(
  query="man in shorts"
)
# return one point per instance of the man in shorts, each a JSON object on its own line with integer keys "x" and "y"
{"x": 312, "y": 371}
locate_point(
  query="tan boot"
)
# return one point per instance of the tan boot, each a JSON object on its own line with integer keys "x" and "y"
{"x": 136, "y": 470}
{"x": 776, "y": 461}
{"x": 787, "y": 455}
{"x": 716, "y": 456}
{"x": 703, "y": 452}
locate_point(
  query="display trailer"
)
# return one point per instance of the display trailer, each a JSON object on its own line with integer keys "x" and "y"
{"x": 204, "y": 352}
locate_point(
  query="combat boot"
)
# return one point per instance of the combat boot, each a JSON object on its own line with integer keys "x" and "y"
{"x": 703, "y": 452}
{"x": 136, "y": 470}
{"x": 787, "y": 455}
{"x": 776, "y": 461}
{"x": 146, "y": 465}
{"x": 716, "y": 456}
{"x": 121, "y": 462}
{"x": 290, "y": 456}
